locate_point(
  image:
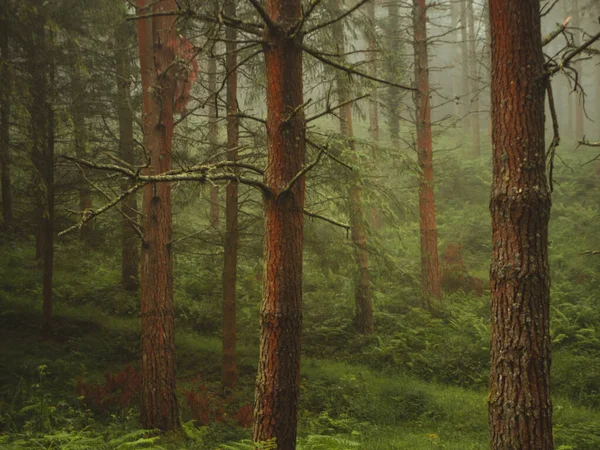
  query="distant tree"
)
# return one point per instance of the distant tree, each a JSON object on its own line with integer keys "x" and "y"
{"x": 473, "y": 79}
{"x": 5, "y": 103}
{"x": 213, "y": 135}
{"x": 362, "y": 281}
{"x": 520, "y": 407}
{"x": 157, "y": 37}
{"x": 130, "y": 253}
{"x": 229, "y": 376}
{"x": 430, "y": 269}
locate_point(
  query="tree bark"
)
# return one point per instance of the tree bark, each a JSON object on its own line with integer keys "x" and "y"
{"x": 213, "y": 136}
{"x": 157, "y": 40}
{"x": 278, "y": 380}
{"x": 455, "y": 17}
{"x": 394, "y": 69}
{"x": 520, "y": 408}
{"x": 42, "y": 137}
{"x": 474, "y": 81}
{"x": 579, "y": 121}
{"x": 373, "y": 102}
{"x": 430, "y": 269}
{"x": 5, "y": 90}
{"x": 130, "y": 254}
{"x": 229, "y": 376}
{"x": 464, "y": 52}
{"x": 80, "y": 137}
{"x": 363, "y": 318}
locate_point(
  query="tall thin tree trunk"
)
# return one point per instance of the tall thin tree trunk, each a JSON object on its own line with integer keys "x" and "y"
{"x": 362, "y": 281}
{"x": 373, "y": 102}
{"x": 464, "y": 52}
{"x": 130, "y": 253}
{"x": 520, "y": 408}
{"x": 157, "y": 40}
{"x": 393, "y": 92}
{"x": 80, "y": 136}
{"x": 229, "y": 375}
{"x": 213, "y": 135}
{"x": 456, "y": 74}
{"x": 578, "y": 101}
{"x": 430, "y": 269}
{"x": 278, "y": 380}
{"x": 42, "y": 134}
{"x": 5, "y": 90}
{"x": 474, "y": 80}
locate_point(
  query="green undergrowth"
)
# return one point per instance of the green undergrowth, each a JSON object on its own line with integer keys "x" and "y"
{"x": 342, "y": 405}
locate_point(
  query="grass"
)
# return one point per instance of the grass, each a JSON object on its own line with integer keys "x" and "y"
{"x": 378, "y": 411}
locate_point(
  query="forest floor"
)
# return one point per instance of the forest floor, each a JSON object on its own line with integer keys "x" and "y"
{"x": 343, "y": 405}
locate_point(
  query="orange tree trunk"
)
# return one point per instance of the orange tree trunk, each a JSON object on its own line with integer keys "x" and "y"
{"x": 130, "y": 255}
{"x": 5, "y": 88}
{"x": 213, "y": 136}
{"x": 430, "y": 269}
{"x": 362, "y": 290}
{"x": 278, "y": 380}
{"x": 474, "y": 80}
{"x": 156, "y": 40}
{"x": 229, "y": 376}
{"x": 520, "y": 409}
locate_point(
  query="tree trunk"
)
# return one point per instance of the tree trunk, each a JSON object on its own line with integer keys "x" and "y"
{"x": 455, "y": 17}
{"x": 278, "y": 379}
{"x": 394, "y": 69}
{"x": 579, "y": 122}
{"x": 520, "y": 409}
{"x": 42, "y": 136}
{"x": 130, "y": 254}
{"x": 474, "y": 80}
{"x": 430, "y": 269}
{"x": 373, "y": 102}
{"x": 465, "y": 100}
{"x": 363, "y": 319}
{"x": 213, "y": 135}
{"x": 156, "y": 40}
{"x": 80, "y": 138}
{"x": 229, "y": 376}
{"x": 5, "y": 89}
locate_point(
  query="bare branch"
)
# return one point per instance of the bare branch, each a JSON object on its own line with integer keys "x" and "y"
{"x": 330, "y": 109}
{"x": 559, "y": 29}
{"x": 315, "y": 54}
{"x": 91, "y": 213}
{"x": 303, "y": 172}
{"x": 326, "y": 219}
{"x": 337, "y": 19}
{"x": 263, "y": 14}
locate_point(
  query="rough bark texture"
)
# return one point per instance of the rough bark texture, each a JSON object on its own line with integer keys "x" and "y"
{"x": 474, "y": 81}
{"x": 80, "y": 137}
{"x": 278, "y": 380}
{"x": 130, "y": 254}
{"x": 5, "y": 88}
{"x": 213, "y": 136}
{"x": 42, "y": 137}
{"x": 363, "y": 318}
{"x": 229, "y": 377}
{"x": 156, "y": 40}
{"x": 430, "y": 269}
{"x": 520, "y": 409}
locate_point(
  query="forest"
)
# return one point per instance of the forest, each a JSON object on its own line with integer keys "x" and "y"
{"x": 300, "y": 224}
